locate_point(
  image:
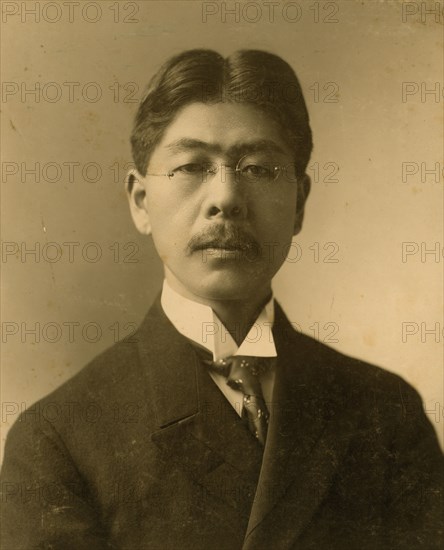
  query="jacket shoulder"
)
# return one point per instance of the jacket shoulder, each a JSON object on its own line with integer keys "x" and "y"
{"x": 103, "y": 375}
{"x": 344, "y": 374}
{"x": 354, "y": 369}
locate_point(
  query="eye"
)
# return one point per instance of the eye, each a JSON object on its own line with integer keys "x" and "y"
{"x": 256, "y": 171}
{"x": 190, "y": 169}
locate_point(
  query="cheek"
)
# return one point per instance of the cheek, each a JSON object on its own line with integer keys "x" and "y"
{"x": 278, "y": 213}
{"x": 162, "y": 205}
{"x": 171, "y": 219}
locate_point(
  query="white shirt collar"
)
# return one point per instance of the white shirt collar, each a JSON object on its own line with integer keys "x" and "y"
{"x": 200, "y": 324}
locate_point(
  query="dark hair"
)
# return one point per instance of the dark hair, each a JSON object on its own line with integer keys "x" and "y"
{"x": 255, "y": 77}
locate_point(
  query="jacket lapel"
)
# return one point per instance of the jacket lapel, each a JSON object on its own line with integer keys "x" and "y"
{"x": 306, "y": 439}
{"x": 197, "y": 429}
{"x": 200, "y": 433}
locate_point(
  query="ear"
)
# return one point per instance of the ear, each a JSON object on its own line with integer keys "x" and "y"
{"x": 135, "y": 190}
{"x": 304, "y": 185}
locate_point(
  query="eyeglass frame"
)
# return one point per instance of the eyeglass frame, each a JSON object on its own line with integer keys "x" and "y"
{"x": 276, "y": 170}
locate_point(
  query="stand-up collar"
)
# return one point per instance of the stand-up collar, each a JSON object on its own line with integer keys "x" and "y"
{"x": 200, "y": 324}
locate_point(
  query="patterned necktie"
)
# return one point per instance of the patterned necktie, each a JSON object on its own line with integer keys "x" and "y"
{"x": 242, "y": 373}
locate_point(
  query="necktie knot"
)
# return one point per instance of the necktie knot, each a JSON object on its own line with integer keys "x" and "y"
{"x": 243, "y": 374}
{"x": 239, "y": 366}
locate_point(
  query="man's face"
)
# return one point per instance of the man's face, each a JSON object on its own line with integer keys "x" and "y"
{"x": 220, "y": 235}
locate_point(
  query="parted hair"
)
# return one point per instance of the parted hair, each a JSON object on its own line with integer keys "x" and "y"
{"x": 253, "y": 77}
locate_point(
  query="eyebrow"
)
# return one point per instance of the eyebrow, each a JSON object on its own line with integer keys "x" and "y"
{"x": 187, "y": 144}
{"x": 238, "y": 149}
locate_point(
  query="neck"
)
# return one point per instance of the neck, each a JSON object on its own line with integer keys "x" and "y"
{"x": 237, "y": 315}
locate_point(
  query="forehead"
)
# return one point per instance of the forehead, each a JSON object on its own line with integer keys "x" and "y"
{"x": 222, "y": 128}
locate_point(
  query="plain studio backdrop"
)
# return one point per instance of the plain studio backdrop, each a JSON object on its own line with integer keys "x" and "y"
{"x": 365, "y": 274}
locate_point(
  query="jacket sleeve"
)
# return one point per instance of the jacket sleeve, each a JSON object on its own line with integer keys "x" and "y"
{"x": 415, "y": 513}
{"x": 45, "y": 501}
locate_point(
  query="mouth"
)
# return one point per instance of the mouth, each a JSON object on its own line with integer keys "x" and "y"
{"x": 225, "y": 242}
{"x": 226, "y": 251}
{"x": 222, "y": 245}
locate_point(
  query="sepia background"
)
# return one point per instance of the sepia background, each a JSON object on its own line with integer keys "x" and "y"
{"x": 365, "y": 275}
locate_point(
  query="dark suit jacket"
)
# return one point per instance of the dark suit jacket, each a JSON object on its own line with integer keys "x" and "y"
{"x": 141, "y": 450}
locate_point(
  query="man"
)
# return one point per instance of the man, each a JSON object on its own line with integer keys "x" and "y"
{"x": 223, "y": 428}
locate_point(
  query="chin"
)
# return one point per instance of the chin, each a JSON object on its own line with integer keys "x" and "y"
{"x": 225, "y": 285}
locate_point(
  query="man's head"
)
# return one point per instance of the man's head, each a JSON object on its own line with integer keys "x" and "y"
{"x": 220, "y": 148}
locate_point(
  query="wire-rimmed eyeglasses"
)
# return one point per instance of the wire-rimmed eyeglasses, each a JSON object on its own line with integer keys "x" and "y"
{"x": 248, "y": 169}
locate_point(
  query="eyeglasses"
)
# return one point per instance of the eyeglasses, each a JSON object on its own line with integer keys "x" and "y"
{"x": 250, "y": 168}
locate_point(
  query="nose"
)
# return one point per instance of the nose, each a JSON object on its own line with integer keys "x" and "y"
{"x": 225, "y": 197}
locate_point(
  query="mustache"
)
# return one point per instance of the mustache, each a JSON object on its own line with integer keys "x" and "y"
{"x": 226, "y": 237}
